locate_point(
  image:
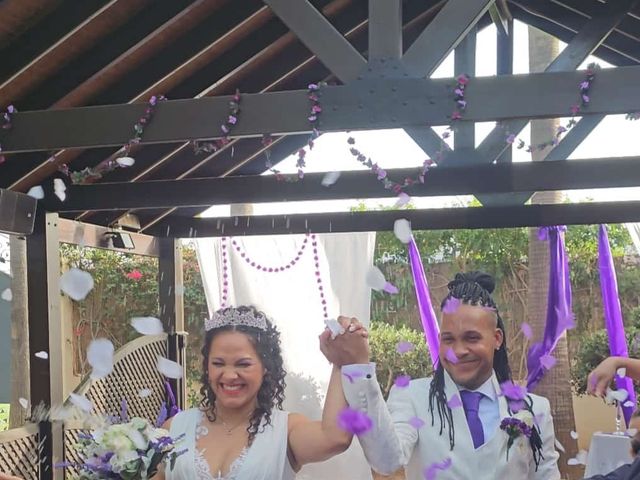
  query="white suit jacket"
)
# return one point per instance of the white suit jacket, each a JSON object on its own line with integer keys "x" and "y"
{"x": 394, "y": 442}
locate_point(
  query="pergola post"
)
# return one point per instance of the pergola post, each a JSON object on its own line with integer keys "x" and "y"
{"x": 46, "y": 334}
{"x": 172, "y": 308}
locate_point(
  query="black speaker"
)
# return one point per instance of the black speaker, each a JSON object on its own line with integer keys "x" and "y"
{"x": 17, "y": 212}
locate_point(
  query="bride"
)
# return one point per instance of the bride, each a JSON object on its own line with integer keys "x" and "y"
{"x": 240, "y": 431}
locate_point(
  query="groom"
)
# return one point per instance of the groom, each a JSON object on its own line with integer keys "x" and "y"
{"x": 448, "y": 426}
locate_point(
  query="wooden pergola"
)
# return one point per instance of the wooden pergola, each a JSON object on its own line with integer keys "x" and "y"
{"x": 81, "y": 73}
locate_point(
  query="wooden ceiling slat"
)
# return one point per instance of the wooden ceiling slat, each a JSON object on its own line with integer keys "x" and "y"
{"x": 149, "y": 46}
{"x": 80, "y": 39}
{"x": 19, "y": 15}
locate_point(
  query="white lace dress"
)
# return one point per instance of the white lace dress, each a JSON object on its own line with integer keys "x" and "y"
{"x": 265, "y": 459}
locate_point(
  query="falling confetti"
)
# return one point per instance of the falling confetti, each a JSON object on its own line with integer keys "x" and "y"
{"x": 330, "y": 178}
{"x": 403, "y": 199}
{"x": 76, "y": 283}
{"x": 547, "y": 361}
{"x": 100, "y": 357}
{"x": 574, "y": 434}
{"x": 579, "y": 459}
{"x": 145, "y": 392}
{"x": 353, "y": 372}
{"x": 628, "y": 404}
{"x": 454, "y": 402}
{"x": 36, "y": 192}
{"x": 24, "y": 403}
{"x": 404, "y": 347}
{"x": 402, "y": 230}
{"x": 7, "y": 295}
{"x": 451, "y": 305}
{"x": 354, "y": 421}
{"x": 126, "y": 161}
{"x": 147, "y": 325}
{"x": 402, "y": 381}
{"x": 559, "y": 446}
{"x": 81, "y": 402}
{"x": 431, "y": 472}
{"x": 169, "y": 368}
{"x": 451, "y": 356}
{"x": 416, "y": 423}
{"x": 43, "y": 355}
{"x": 59, "y": 188}
{"x": 376, "y": 281}
{"x": 526, "y": 330}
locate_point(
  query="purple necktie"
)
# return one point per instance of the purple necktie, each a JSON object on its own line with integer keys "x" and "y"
{"x": 471, "y": 403}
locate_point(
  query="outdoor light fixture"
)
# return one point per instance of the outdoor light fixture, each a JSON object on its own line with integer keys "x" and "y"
{"x": 119, "y": 240}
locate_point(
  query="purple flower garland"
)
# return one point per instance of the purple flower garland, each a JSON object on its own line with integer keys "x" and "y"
{"x": 226, "y": 127}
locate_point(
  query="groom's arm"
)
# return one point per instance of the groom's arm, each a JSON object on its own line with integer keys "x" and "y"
{"x": 548, "y": 468}
{"x": 390, "y": 443}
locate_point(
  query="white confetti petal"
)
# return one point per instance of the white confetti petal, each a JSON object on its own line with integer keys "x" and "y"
{"x": 7, "y": 295}
{"x": 76, "y": 283}
{"x": 574, "y": 434}
{"x": 559, "y": 446}
{"x": 622, "y": 372}
{"x": 145, "y": 392}
{"x": 402, "y": 230}
{"x": 125, "y": 161}
{"x": 147, "y": 325}
{"x": 24, "y": 403}
{"x": 169, "y": 368}
{"x": 42, "y": 354}
{"x": 36, "y": 192}
{"x": 629, "y": 404}
{"x": 330, "y": 178}
{"x": 632, "y": 432}
{"x": 375, "y": 279}
{"x": 403, "y": 199}
{"x": 81, "y": 402}
{"x": 100, "y": 357}
{"x": 616, "y": 395}
{"x": 59, "y": 188}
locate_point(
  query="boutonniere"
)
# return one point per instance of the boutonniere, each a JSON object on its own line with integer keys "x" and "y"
{"x": 519, "y": 425}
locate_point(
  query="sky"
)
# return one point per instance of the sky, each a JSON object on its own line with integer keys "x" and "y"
{"x": 395, "y": 149}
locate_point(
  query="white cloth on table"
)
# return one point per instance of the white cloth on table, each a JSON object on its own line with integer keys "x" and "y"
{"x": 606, "y": 453}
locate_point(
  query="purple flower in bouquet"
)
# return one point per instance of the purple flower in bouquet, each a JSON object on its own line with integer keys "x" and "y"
{"x": 520, "y": 425}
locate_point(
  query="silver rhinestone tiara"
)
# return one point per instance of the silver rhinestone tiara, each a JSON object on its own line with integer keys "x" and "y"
{"x": 234, "y": 318}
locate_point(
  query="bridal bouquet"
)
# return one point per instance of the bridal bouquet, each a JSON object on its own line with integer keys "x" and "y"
{"x": 127, "y": 451}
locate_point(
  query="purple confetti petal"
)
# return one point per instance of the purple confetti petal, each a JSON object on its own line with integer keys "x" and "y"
{"x": 416, "y": 423}
{"x": 547, "y": 361}
{"x": 526, "y": 330}
{"x": 451, "y": 305}
{"x": 451, "y": 356}
{"x": 432, "y": 470}
{"x": 390, "y": 288}
{"x": 404, "y": 347}
{"x": 353, "y": 374}
{"x": 454, "y": 402}
{"x": 354, "y": 421}
{"x": 402, "y": 381}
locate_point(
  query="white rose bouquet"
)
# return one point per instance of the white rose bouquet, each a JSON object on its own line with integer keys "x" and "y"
{"x": 127, "y": 451}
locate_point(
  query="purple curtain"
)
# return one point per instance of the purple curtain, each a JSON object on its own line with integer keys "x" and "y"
{"x": 613, "y": 316}
{"x": 427, "y": 315}
{"x": 559, "y": 314}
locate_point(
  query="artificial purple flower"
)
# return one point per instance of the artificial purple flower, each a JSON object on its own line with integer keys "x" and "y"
{"x": 382, "y": 174}
{"x": 232, "y": 119}
{"x": 463, "y": 79}
{"x": 354, "y": 421}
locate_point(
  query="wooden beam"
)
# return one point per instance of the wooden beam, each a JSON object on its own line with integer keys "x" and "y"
{"x": 89, "y": 235}
{"x": 385, "y": 29}
{"x": 443, "y": 34}
{"x": 465, "y": 63}
{"x": 427, "y": 219}
{"x": 322, "y": 38}
{"x": 399, "y": 103}
{"x": 588, "y": 39}
{"x": 500, "y": 178}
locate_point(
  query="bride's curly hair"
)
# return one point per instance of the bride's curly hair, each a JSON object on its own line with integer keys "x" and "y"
{"x": 267, "y": 345}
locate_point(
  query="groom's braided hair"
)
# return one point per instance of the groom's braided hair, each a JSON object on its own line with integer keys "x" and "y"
{"x": 271, "y": 392}
{"x": 474, "y": 288}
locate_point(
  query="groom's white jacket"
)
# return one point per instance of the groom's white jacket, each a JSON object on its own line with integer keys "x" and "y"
{"x": 394, "y": 442}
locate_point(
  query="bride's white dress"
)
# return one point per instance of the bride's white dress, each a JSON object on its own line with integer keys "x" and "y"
{"x": 265, "y": 459}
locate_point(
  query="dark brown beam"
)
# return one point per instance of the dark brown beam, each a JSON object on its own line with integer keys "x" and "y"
{"x": 470, "y": 180}
{"x": 398, "y": 102}
{"x": 428, "y": 219}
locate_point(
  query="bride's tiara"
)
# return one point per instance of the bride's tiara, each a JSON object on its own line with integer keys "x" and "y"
{"x": 233, "y": 318}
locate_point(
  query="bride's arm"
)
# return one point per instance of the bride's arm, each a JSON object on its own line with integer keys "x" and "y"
{"x": 315, "y": 441}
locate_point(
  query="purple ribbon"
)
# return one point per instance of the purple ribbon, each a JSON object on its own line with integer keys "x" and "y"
{"x": 559, "y": 314}
{"x": 427, "y": 315}
{"x": 613, "y": 316}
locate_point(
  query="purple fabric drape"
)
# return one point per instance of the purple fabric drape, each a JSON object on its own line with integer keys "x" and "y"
{"x": 559, "y": 314}
{"x": 613, "y": 316}
{"x": 427, "y": 315}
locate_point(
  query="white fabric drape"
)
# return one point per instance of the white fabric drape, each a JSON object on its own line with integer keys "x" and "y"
{"x": 291, "y": 298}
{"x": 634, "y": 231}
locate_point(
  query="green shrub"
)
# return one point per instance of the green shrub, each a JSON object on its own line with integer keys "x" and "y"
{"x": 384, "y": 339}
